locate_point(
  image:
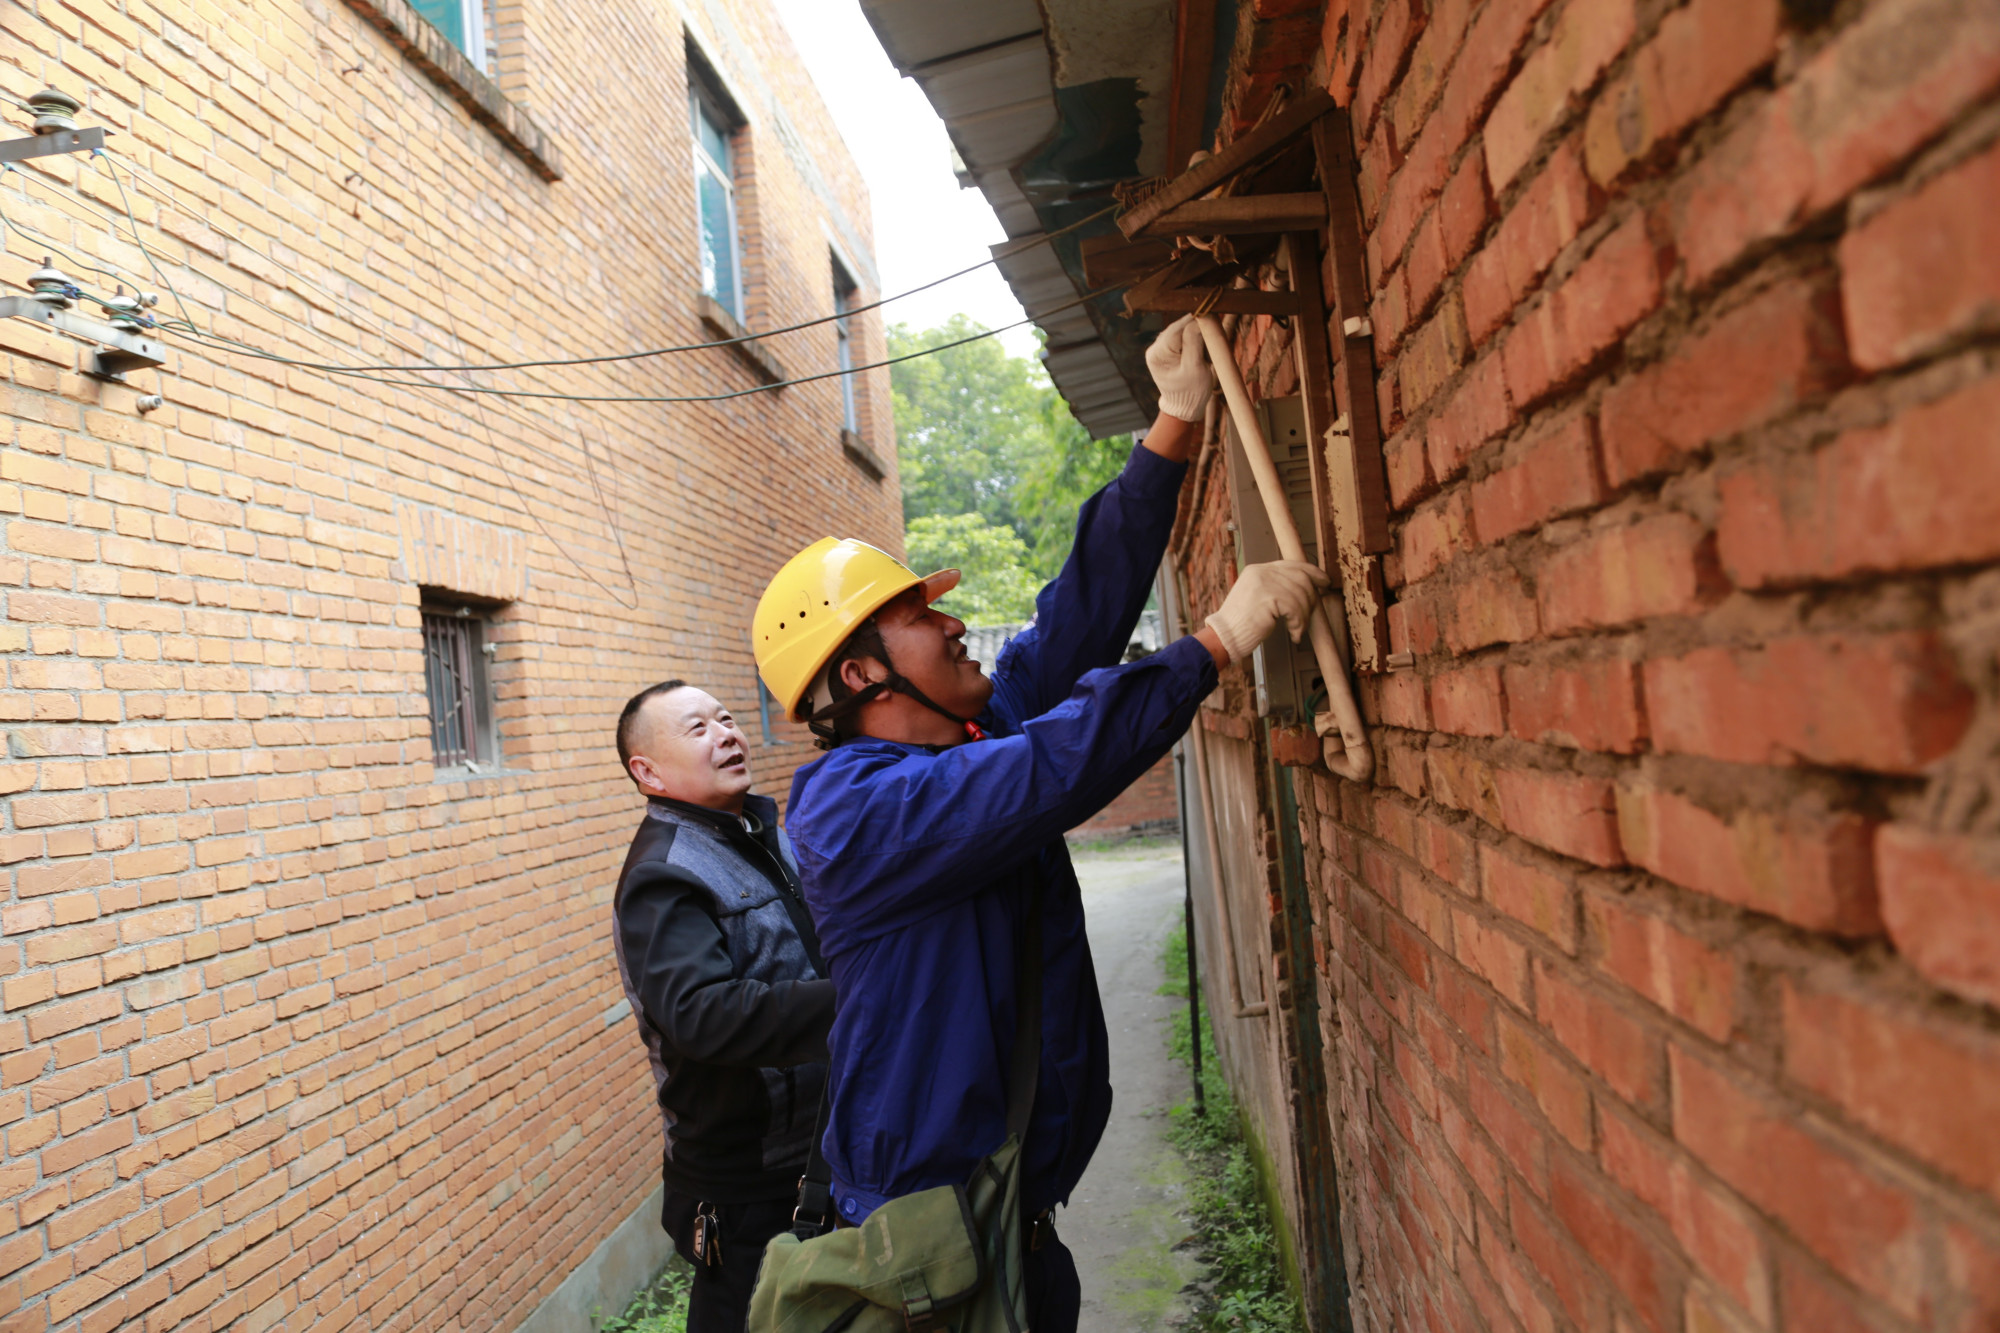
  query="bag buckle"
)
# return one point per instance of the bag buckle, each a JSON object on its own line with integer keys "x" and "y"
{"x": 815, "y": 1207}
{"x": 918, "y": 1314}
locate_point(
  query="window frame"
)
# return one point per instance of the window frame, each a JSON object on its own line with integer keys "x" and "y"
{"x": 457, "y": 630}
{"x": 472, "y": 17}
{"x": 705, "y": 102}
{"x": 464, "y": 77}
{"x": 845, "y": 293}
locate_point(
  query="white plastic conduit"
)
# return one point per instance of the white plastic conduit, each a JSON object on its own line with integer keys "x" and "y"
{"x": 1348, "y": 755}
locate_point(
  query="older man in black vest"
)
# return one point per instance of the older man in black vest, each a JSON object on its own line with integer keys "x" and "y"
{"x": 724, "y": 974}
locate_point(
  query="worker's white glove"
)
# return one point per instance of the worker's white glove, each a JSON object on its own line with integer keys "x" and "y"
{"x": 1180, "y": 369}
{"x": 1265, "y": 594}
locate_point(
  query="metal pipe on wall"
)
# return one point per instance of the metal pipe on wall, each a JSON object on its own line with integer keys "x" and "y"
{"x": 1354, "y": 759}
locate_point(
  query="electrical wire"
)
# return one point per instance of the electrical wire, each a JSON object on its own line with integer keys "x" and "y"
{"x": 377, "y": 373}
{"x": 375, "y": 376}
{"x": 479, "y": 407}
{"x": 649, "y": 352}
{"x": 132, "y": 225}
{"x": 52, "y": 246}
{"x": 138, "y": 240}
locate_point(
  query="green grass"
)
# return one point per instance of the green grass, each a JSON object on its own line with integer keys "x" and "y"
{"x": 1146, "y": 847}
{"x": 1231, "y": 1224}
{"x": 659, "y": 1307}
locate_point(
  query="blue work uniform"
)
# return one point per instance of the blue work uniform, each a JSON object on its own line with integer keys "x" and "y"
{"x": 919, "y": 863}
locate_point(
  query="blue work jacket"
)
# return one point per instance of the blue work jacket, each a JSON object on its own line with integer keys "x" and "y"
{"x": 919, "y": 863}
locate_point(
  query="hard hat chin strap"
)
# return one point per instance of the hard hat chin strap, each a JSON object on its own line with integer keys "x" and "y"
{"x": 821, "y": 722}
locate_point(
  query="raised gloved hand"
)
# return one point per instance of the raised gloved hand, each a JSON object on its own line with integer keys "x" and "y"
{"x": 1265, "y": 594}
{"x": 1180, "y": 369}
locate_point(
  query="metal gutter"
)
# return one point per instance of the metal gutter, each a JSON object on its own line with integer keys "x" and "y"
{"x": 988, "y": 70}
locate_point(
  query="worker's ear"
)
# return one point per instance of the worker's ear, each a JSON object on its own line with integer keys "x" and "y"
{"x": 858, "y": 673}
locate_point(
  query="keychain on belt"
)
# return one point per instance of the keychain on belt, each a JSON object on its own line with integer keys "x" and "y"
{"x": 707, "y": 1236}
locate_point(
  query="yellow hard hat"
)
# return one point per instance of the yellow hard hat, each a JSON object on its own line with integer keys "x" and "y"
{"x": 819, "y": 598}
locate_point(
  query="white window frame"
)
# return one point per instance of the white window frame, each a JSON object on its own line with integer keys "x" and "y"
{"x": 703, "y": 103}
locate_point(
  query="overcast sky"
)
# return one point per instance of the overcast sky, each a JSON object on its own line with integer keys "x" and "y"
{"x": 925, "y": 226}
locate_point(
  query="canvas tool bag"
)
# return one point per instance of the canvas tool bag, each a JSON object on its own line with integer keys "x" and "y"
{"x": 944, "y": 1260}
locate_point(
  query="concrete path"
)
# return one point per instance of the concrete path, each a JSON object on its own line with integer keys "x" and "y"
{"x": 1124, "y": 1222}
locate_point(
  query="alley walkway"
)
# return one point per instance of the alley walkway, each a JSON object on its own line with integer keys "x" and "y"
{"x": 1123, "y": 1221}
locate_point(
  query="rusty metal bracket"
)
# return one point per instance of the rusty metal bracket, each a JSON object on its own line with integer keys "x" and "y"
{"x": 118, "y": 350}
{"x": 47, "y": 145}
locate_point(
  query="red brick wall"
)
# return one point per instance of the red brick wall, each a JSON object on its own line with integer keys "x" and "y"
{"x": 297, "y": 1033}
{"x": 1661, "y": 966}
{"x": 1151, "y": 803}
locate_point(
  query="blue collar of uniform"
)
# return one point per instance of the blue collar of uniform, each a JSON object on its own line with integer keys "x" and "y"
{"x": 986, "y": 721}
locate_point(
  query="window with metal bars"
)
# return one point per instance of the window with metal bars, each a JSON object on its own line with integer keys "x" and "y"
{"x": 455, "y": 682}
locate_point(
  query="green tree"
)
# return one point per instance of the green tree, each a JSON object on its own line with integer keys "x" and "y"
{"x": 998, "y": 589}
{"x": 1072, "y": 468}
{"x": 982, "y": 433}
{"x": 968, "y": 420}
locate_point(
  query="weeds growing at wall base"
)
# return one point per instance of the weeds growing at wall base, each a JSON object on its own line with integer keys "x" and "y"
{"x": 1246, "y": 1290}
{"x": 659, "y": 1307}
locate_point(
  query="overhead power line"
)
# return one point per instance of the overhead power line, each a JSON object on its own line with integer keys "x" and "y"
{"x": 376, "y": 375}
{"x": 649, "y": 352}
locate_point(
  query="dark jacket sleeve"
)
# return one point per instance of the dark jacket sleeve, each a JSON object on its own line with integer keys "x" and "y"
{"x": 688, "y": 989}
{"x": 1084, "y": 618}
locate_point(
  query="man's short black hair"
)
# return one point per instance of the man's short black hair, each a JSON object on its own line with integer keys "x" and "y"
{"x": 629, "y": 718}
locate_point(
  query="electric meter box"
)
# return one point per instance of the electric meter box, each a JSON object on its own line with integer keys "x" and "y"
{"x": 1285, "y": 676}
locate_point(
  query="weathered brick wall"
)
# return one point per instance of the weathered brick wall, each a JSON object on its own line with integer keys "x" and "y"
{"x": 296, "y": 1034}
{"x": 1661, "y": 966}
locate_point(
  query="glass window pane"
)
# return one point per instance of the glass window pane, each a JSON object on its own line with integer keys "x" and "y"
{"x": 710, "y": 134}
{"x": 718, "y": 239}
{"x": 447, "y": 16}
{"x": 843, "y": 328}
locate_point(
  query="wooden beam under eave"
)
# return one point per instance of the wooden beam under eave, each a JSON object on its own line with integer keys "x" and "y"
{"x": 1112, "y": 261}
{"x": 1205, "y": 175}
{"x": 1333, "y": 147}
{"x": 1253, "y": 214}
{"x": 1187, "y": 95}
{"x": 1313, "y": 355}
{"x": 1235, "y": 301}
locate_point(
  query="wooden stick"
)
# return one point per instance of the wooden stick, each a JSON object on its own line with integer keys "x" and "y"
{"x": 1356, "y": 760}
{"x": 1249, "y": 213}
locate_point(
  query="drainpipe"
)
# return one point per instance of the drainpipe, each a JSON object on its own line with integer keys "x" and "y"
{"x": 1352, "y": 758}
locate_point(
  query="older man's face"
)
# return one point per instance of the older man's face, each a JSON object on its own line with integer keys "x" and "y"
{"x": 688, "y": 748}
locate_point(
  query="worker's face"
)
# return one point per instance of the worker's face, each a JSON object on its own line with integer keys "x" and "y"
{"x": 928, "y": 647}
{"x": 687, "y": 748}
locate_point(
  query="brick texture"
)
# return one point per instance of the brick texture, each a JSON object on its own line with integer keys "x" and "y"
{"x": 301, "y": 1030}
{"x": 1656, "y": 976}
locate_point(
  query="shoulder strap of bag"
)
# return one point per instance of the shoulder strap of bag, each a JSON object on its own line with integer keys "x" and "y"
{"x": 814, "y": 1215}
